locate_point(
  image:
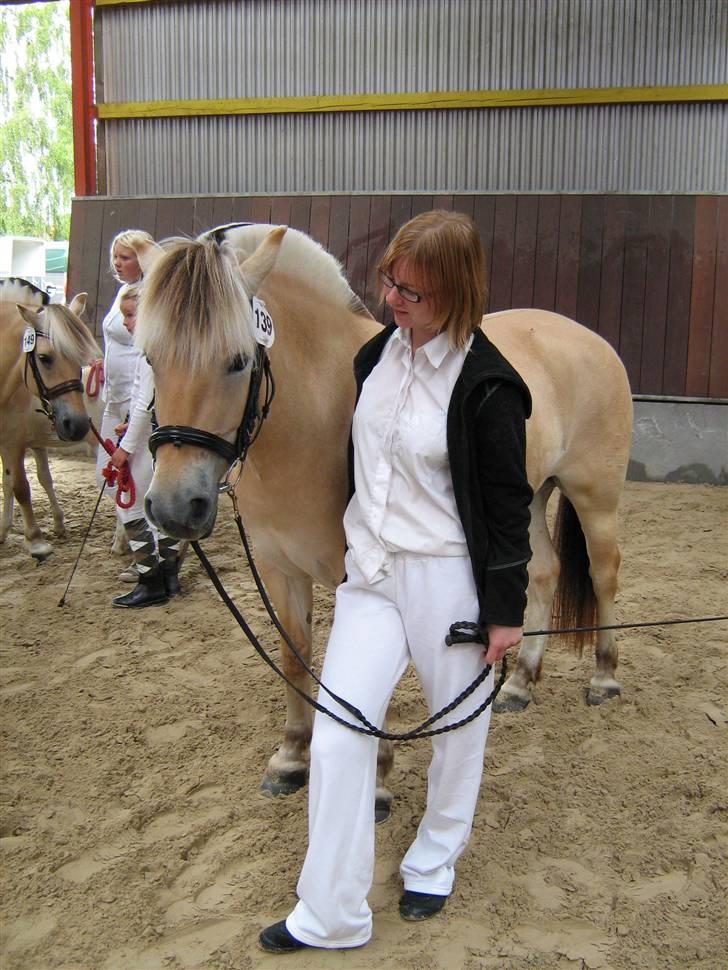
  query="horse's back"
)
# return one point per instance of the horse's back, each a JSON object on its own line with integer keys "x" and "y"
{"x": 582, "y": 405}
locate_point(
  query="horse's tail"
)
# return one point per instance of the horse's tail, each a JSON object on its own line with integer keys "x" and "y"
{"x": 575, "y": 604}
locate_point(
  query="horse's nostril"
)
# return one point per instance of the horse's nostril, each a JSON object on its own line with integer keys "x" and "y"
{"x": 199, "y": 508}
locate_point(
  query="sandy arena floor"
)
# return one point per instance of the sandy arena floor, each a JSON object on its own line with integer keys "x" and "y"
{"x": 133, "y": 835}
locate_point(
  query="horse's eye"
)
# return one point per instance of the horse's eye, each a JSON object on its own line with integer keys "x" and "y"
{"x": 239, "y": 363}
{"x": 45, "y": 359}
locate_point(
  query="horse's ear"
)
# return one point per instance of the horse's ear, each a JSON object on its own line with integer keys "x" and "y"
{"x": 147, "y": 255}
{"x": 256, "y": 267}
{"x": 78, "y": 304}
{"x": 30, "y": 316}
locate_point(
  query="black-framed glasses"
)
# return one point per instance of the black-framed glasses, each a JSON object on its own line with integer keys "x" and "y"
{"x": 404, "y": 291}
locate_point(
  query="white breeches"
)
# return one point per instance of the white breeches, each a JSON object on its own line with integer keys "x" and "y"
{"x": 140, "y": 464}
{"x": 377, "y": 630}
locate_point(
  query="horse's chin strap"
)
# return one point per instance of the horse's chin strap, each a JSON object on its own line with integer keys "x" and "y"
{"x": 47, "y": 394}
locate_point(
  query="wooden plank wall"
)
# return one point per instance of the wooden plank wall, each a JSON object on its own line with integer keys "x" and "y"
{"x": 649, "y": 273}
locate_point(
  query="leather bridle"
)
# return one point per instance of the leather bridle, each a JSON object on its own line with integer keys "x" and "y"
{"x": 249, "y": 428}
{"x": 253, "y": 415}
{"x": 45, "y": 393}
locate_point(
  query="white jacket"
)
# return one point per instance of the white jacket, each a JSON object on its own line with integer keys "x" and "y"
{"x": 120, "y": 355}
{"x": 136, "y": 436}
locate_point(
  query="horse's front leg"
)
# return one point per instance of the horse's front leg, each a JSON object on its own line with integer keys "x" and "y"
{"x": 543, "y": 572}
{"x": 120, "y": 542}
{"x": 6, "y": 523}
{"x": 46, "y": 480}
{"x": 38, "y": 547}
{"x": 287, "y": 770}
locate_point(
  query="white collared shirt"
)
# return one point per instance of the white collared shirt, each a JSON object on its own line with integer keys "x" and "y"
{"x": 404, "y": 500}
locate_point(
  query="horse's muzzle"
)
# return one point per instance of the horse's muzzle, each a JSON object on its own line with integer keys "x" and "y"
{"x": 69, "y": 425}
{"x": 189, "y": 519}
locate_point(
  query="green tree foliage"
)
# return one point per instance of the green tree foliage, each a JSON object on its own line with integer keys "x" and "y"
{"x": 36, "y": 134}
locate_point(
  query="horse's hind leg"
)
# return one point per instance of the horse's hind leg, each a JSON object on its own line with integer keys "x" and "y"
{"x": 287, "y": 770}
{"x": 600, "y": 531}
{"x": 543, "y": 572}
{"x": 46, "y": 480}
{"x": 34, "y": 541}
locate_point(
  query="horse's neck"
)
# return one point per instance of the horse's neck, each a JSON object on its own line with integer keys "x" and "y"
{"x": 12, "y": 360}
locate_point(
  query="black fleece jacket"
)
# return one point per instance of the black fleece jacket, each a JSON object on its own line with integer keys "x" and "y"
{"x": 486, "y": 441}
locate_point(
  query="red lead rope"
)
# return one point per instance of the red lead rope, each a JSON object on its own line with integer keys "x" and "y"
{"x": 95, "y": 379}
{"x": 121, "y": 477}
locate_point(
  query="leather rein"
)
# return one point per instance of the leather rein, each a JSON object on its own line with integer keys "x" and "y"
{"x": 248, "y": 429}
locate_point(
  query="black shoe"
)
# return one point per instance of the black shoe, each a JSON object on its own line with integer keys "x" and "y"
{"x": 148, "y": 591}
{"x": 418, "y": 906}
{"x": 277, "y": 939}
{"x": 170, "y": 572}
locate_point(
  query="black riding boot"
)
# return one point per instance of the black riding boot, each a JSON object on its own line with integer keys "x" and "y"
{"x": 170, "y": 573}
{"x": 149, "y": 590}
{"x": 169, "y": 553}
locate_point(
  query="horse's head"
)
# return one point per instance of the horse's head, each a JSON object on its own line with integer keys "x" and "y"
{"x": 196, "y": 326}
{"x": 56, "y": 345}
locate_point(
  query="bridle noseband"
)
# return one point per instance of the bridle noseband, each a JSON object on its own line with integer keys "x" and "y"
{"x": 48, "y": 394}
{"x": 248, "y": 429}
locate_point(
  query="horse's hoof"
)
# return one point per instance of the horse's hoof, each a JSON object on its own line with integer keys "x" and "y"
{"x": 597, "y": 695}
{"x": 382, "y": 809}
{"x": 41, "y": 553}
{"x": 510, "y": 704}
{"x": 285, "y": 785}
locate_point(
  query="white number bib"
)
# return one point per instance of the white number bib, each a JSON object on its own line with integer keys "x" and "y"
{"x": 264, "y": 332}
{"x": 28, "y": 340}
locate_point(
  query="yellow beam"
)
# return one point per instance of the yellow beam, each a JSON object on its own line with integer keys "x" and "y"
{"x": 416, "y": 101}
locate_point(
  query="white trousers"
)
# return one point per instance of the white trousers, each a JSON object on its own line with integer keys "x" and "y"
{"x": 377, "y": 630}
{"x": 141, "y": 465}
{"x": 113, "y": 414}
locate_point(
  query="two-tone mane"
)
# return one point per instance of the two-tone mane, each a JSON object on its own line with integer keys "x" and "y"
{"x": 68, "y": 335}
{"x": 14, "y": 289}
{"x": 194, "y": 308}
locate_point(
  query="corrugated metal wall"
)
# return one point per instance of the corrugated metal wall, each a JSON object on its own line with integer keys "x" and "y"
{"x": 630, "y": 148}
{"x": 226, "y": 49}
{"x": 259, "y": 48}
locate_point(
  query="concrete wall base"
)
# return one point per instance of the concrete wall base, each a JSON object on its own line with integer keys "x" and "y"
{"x": 679, "y": 441}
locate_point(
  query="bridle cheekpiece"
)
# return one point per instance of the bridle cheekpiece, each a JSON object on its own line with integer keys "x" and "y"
{"x": 46, "y": 394}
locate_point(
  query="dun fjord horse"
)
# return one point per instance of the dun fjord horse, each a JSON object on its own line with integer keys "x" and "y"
{"x": 42, "y": 438}
{"x": 44, "y": 378}
{"x": 197, "y": 327}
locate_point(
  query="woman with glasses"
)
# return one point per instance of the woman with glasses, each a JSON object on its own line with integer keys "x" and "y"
{"x": 437, "y": 532}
